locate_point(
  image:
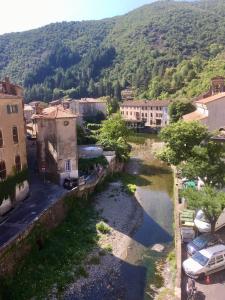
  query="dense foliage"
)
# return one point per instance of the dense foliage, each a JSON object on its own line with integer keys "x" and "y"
{"x": 211, "y": 201}
{"x": 159, "y": 49}
{"x": 190, "y": 147}
{"x": 112, "y": 136}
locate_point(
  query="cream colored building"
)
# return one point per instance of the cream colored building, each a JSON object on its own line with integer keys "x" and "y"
{"x": 209, "y": 111}
{"x": 13, "y": 158}
{"x": 151, "y": 113}
{"x": 28, "y": 112}
{"x": 57, "y": 143}
{"x": 86, "y": 107}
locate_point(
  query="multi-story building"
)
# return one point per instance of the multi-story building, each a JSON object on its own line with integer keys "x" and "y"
{"x": 209, "y": 111}
{"x": 13, "y": 159}
{"x": 86, "y": 107}
{"x": 57, "y": 143}
{"x": 150, "y": 113}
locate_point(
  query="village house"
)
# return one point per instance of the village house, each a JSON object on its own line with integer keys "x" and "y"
{"x": 147, "y": 113}
{"x": 209, "y": 111}
{"x": 14, "y": 186}
{"x": 28, "y": 112}
{"x": 127, "y": 94}
{"x": 56, "y": 143}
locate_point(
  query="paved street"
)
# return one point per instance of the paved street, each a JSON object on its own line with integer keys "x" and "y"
{"x": 42, "y": 195}
{"x": 214, "y": 289}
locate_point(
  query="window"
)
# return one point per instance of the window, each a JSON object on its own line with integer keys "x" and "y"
{"x": 212, "y": 262}
{"x": 68, "y": 165}
{"x": 219, "y": 258}
{"x": 18, "y": 164}
{"x": 8, "y": 109}
{"x": 2, "y": 170}
{"x": 1, "y": 139}
{"x": 12, "y": 109}
{"x": 15, "y": 135}
{"x": 146, "y": 115}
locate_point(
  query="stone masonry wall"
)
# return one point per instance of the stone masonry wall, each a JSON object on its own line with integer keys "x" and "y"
{"x": 15, "y": 250}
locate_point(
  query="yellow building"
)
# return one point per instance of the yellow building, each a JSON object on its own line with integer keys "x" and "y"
{"x": 13, "y": 160}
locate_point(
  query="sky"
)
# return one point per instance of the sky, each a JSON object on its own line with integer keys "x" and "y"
{"x": 20, "y": 15}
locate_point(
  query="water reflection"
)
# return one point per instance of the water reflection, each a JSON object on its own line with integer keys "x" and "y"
{"x": 154, "y": 182}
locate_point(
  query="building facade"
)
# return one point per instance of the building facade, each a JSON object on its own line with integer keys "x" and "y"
{"x": 209, "y": 111}
{"x": 57, "y": 143}
{"x": 13, "y": 158}
{"x": 150, "y": 113}
{"x": 86, "y": 107}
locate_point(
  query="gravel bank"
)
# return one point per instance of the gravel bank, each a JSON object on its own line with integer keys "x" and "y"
{"x": 123, "y": 215}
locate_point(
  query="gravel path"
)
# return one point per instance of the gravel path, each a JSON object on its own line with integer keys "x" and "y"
{"x": 123, "y": 214}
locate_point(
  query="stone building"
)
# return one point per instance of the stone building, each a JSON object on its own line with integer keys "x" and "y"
{"x": 86, "y": 107}
{"x": 209, "y": 111}
{"x": 28, "y": 112}
{"x": 150, "y": 113}
{"x": 13, "y": 158}
{"x": 57, "y": 143}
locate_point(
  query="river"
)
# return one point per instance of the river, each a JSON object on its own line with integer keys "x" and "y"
{"x": 154, "y": 193}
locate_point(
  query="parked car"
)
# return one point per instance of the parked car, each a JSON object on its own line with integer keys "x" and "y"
{"x": 70, "y": 183}
{"x": 205, "y": 262}
{"x": 201, "y": 242}
{"x": 203, "y": 224}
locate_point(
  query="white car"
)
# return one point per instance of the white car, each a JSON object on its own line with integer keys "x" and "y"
{"x": 205, "y": 262}
{"x": 201, "y": 222}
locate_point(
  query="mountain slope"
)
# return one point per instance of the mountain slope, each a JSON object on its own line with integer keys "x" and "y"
{"x": 100, "y": 57}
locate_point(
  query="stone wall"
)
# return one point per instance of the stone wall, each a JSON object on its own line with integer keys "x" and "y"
{"x": 15, "y": 250}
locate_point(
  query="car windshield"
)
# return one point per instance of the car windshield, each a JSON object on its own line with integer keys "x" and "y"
{"x": 201, "y": 216}
{"x": 201, "y": 259}
{"x": 200, "y": 242}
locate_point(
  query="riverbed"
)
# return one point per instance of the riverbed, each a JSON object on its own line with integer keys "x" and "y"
{"x": 141, "y": 232}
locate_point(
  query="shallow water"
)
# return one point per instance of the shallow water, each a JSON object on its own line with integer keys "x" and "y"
{"x": 154, "y": 193}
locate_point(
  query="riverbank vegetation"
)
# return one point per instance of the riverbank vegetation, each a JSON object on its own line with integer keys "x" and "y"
{"x": 60, "y": 259}
{"x": 112, "y": 136}
{"x": 188, "y": 145}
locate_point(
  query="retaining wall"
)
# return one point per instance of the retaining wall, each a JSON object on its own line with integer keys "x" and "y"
{"x": 12, "y": 253}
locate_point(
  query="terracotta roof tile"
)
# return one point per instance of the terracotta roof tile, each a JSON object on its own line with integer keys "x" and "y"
{"x": 211, "y": 98}
{"x": 55, "y": 112}
{"x": 194, "y": 116}
{"x": 145, "y": 103}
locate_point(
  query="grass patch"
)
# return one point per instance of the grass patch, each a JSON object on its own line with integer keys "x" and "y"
{"x": 171, "y": 258}
{"x": 103, "y": 227}
{"x": 60, "y": 259}
{"x": 108, "y": 248}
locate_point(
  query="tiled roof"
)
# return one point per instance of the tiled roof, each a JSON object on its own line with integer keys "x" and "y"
{"x": 194, "y": 116}
{"x": 145, "y": 103}
{"x": 211, "y": 98}
{"x": 55, "y": 112}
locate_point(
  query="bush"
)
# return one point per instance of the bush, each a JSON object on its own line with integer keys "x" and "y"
{"x": 102, "y": 227}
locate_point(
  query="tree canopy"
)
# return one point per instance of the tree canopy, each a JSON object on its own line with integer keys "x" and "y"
{"x": 162, "y": 50}
{"x": 112, "y": 136}
{"x": 180, "y": 138}
{"x": 211, "y": 201}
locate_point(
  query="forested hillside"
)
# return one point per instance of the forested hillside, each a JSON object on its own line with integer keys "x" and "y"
{"x": 160, "y": 49}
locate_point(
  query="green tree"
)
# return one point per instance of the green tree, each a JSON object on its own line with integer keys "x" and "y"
{"x": 112, "y": 136}
{"x": 179, "y": 108}
{"x": 206, "y": 162}
{"x": 211, "y": 201}
{"x": 180, "y": 138}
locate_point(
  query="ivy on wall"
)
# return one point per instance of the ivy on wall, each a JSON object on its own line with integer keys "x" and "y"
{"x": 8, "y": 186}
